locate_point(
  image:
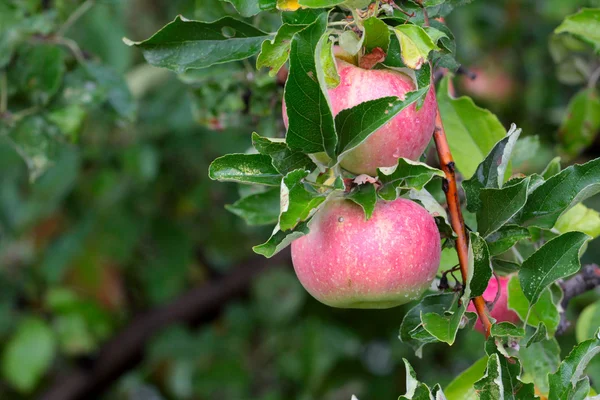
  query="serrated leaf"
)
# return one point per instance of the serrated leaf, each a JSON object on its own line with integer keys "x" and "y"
{"x": 279, "y": 240}
{"x": 555, "y": 196}
{"x": 568, "y": 383}
{"x": 482, "y": 272}
{"x": 462, "y": 387}
{"x": 407, "y": 174}
{"x": 320, "y": 3}
{"x": 540, "y": 359}
{"x": 354, "y": 125}
{"x": 544, "y": 311}
{"x": 472, "y": 131}
{"x": 366, "y": 197}
{"x": 28, "y": 354}
{"x": 183, "y": 44}
{"x": 304, "y": 16}
{"x": 258, "y": 209}
{"x": 581, "y": 219}
{"x": 246, "y": 8}
{"x": 415, "y": 390}
{"x": 505, "y": 238}
{"x": 444, "y": 326}
{"x": 498, "y": 206}
{"x": 274, "y": 53}
{"x": 284, "y": 159}
{"x": 377, "y": 34}
{"x": 245, "y": 168}
{"x": 585, "y": 25}
{"x": 581, "y": 123}
{"x": 492, "y": 170}
{"x": 490, "y": 387}
{"x": 558, "y": 258}
{"x": 298, "y": 200}
{"x": 311, "y": 124}
{"x": 415, "y": 45}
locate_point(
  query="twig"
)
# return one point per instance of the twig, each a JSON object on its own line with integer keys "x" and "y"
{"x": 587, "y": 279}
{"x": 456, "y": 218}
{"x": 78, "y": 13}
{"x": 125, "y": 350}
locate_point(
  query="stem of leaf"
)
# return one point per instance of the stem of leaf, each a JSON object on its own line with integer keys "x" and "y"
{"x": 594, "y": 77}
{"x": 78, "y": 13}
{"x": 517, "y": 255}
{"x": 3, "y": 92}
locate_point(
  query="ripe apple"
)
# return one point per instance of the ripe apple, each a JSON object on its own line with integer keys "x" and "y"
{"x": 406, "y": 135}
{"x": 501, "y": 312}
{"x": 347, "y": 261}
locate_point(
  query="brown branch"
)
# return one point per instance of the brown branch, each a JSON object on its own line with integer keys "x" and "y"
{"x": 456, "y": 218}
{"x": 125, "y": 350}
{"x": 587, "y": 279}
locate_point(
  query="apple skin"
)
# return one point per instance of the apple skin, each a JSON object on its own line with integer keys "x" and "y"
{"x": 406, "y": 135}
{"x": 501, "y": 312}
{"x": 346, "y": 261}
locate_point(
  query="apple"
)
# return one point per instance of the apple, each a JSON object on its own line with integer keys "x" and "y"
{"x": 347, "y": 261}
{"x": 500, "y": 312}
{"x": 406, "y": 135}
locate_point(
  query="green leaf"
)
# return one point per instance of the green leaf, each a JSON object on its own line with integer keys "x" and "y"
{"x": 462, "y": 387}
{"x": 274, "y": 53}
{"x": 581, "y": 123}
{"x": 298, "y": 200}
{"x": 354, "y": 125}
{"x": 568, "y": 383}
{"x": 284, "y": 159}
{"x": 435, "y": 210}
{"x": 491, "y": 387}
{"x": 506, "y": 329}
{"x": 377, "y": 34}
{"x": 556, "y": 259}
{"x": 482, "y": 272}
{"x": 505, "y": 238}
{"x": 39, "y": 71}
{"x": 279, "y": 240}
{"x": 416, "y": 390}
{"x": 587, "y": 322}
{"x": 415, "y": 45}
{"x": 472, "y": 131}
{"x": 444, "y": 326}
{"x": 350, "y": 42}
{"x": 258, "y": 209}
{"x": 504, "y": 266}
{"x": 246, "y": 8}
{"x": 327, "y": 61}
{"x": 544, "y": 311}
{"x": 552, "y": 168}
{"x": 581, "y": 219}
{"x": 540, "y": 334}
{"x": 28, "y": 354}
{"x": 585, "y": 25}
{"x": 311, "y": 124}
{"x": 245, "y": 168}
{"x": 498, "y": 206}
{"x": 303, "y": 16}
{"x": 540, "y": 359}
{"x": 366, "y": 197}
{"x": 115, "y": 88}
{"x": 183, "y": 44}
{"x": 319, "y": 3}
{"x": 407, "y": 174}
{"x": 555, "y": 196}
{"x": 492, "y": 171}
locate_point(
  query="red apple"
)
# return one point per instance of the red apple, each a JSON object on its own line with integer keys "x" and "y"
{"x": 501, "y": 312}
{"x": 406, "y": 135}
{"x": 348, "y": 262}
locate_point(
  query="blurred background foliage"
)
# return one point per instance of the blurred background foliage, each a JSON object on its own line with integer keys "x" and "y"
{"x": 106, "y": 210}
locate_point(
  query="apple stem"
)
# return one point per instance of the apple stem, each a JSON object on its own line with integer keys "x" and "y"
{"x": 456, "y": 218}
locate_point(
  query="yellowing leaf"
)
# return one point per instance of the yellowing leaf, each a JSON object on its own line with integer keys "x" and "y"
{"x": 415, "y": 45}
{"x": 288, "y": 5}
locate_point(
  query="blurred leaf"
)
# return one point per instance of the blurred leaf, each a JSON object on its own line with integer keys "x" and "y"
{"x": 247, "y": 8}
{"x": 555, "y": 196}
{"x": 585, "y": 25}
{"x": 69, "y": 119}
{"x": 544, "y": 311}
{"x": 284, "y": 159}
{"x": 245, "y": 168}
{"x": 274, "y": 53}
{"x": 462, "y": 387}
{"x": 539, "y": 360}
{"x": 556, "y": 259}
{"x": 407, "y": 174}
{"x": 377, "y": 34}
{"x": 491, "y": 173}
{"x": 482, "y": 272}
{"x": 415, "y": 45}
{"x": 311, "y": 125}
{"x": 552, "y": 168}
{"x": 39, "y": 71}
{"x": 184, "y": 44}
{"x": 280, "y": 240}
{"x": 505, "y": 238}
{"x": 581, "y": 123}
{"x": 499, "y": 206}
{"x": 115, "y": 88}
{"x": 354, "y": 125}
{"x": 298, "y": 200}
{"x": 28, "y": 354}
{"x": 258, "y": 209}
{"x": 366, "y": 197}
{"x": 278, "y": 297}
{"x": 472, "y": 131}
{"x": 587, "y": 322}
{"x": 581, "y": 219}
{"x": 568, "y": 383}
